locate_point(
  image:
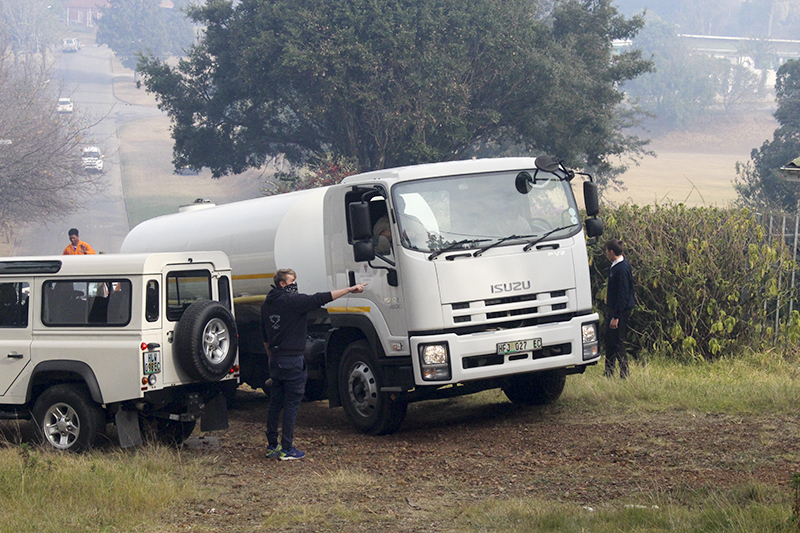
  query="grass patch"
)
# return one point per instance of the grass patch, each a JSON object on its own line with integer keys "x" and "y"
{"x": 749, "y": 384}
{"x": 45, "y": 491}
{"x": 741, "y": 509}
{"x": 353, "y": 491}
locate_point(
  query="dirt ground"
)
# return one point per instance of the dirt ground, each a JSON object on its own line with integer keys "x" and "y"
{"x": 454, "y": 453}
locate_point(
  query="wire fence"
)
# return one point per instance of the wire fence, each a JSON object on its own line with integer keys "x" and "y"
{"x": 782, "y": 232}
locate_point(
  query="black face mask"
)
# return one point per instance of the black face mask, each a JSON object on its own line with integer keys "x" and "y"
{"x": 292, "y": 287}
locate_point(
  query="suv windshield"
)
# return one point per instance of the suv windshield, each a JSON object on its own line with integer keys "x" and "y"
{"x": 439, "y": 213}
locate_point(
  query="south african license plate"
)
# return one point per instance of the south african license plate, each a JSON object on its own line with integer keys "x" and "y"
{"x": 152, "y": 362}
{"x": 505, "y": 348}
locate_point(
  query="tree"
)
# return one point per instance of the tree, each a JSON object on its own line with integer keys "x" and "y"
{"x": 394, "y": 83}
{"x": 41, "y": 177}
{"x": 739, "y": 87}
{"x": 683, "y": 85}
{"x": 130, "y": 27}
{"x": 759, "y": 182}
{"x": 29, "y": 27}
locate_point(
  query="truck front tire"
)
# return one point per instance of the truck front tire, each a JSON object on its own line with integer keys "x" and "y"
{"x": 67, "y": 419}
{"x": 370, "y": 410}
{"x": 206, "y": 341}
{"x": 538, "y": 388}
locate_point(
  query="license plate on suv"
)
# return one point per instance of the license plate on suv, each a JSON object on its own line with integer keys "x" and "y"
{"x": 152, "y": 362}
{"x": 529, "y": 345}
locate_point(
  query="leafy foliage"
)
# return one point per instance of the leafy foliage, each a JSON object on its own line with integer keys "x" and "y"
{"x": 759, "y": 182}
{"x": 702, "y": 278}
{"x": 130, "y": 27}
{"x": 323, "y": 171}
{"x": 395, "y": 83}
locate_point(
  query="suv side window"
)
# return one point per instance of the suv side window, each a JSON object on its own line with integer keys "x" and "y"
{"x": 224, "y": 291}
{"x": 80, "y": 302}
{"x": 184, "y": 288}
{"x": 151, "y": 303}
{"x": 14, "y": 304}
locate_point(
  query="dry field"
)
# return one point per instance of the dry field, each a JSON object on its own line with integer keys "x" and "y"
{"x": 696, "y": 167}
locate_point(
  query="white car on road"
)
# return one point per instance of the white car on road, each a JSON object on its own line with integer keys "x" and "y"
{"x": 71, "y": 45}
{"x": 64, "y": 105}
{"x": 92, "y": 159}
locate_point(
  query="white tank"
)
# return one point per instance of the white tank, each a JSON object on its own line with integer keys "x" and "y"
{"x": 259, "y": 236}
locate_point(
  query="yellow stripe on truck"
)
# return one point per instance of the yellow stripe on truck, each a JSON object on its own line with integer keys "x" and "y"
{"x": 255, "y": 276}
{"x": 348, "y": 309}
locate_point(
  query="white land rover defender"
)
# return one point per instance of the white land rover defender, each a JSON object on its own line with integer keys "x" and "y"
{"x": 146, "y": 341}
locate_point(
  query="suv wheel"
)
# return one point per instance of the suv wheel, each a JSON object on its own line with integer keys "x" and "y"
{"x": 206, "y": 340}
{"x": 67, "y": 419}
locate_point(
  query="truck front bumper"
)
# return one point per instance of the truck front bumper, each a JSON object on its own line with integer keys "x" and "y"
{"x": 485, "y": 355}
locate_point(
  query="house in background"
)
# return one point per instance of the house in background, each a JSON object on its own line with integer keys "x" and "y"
{"x": 83, "y": 12}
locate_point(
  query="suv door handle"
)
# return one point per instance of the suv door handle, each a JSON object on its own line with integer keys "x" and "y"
{"x": 15, "y": 355}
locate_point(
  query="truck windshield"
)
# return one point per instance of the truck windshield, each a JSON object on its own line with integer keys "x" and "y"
{"x": 463, "y": 212}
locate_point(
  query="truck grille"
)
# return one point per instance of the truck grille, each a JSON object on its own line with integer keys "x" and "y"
{"x": 510, "y": 307}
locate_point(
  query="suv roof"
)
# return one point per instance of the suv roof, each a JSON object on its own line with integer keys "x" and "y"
{"x": 107, "y": 264}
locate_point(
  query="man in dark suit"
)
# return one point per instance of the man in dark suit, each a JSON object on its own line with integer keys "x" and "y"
{"x": 620, "y": 301}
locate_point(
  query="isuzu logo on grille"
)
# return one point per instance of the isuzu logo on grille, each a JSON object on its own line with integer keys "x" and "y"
{"x": 511, "y": 287}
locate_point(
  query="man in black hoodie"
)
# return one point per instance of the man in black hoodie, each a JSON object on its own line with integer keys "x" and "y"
{"x": 284, "y": 320}
{"x": 620, "y": 301}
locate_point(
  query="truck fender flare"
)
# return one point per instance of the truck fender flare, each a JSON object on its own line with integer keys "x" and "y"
{"x": 69, "y": 367}
{"x": 346, "y": 330}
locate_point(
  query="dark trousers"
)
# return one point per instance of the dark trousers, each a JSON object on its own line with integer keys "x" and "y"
{"x": 288, "y": 375}
{"x": 615, "y": 346}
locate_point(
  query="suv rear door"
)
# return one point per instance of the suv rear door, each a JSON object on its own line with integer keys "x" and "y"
{"x": 15, "y": 330}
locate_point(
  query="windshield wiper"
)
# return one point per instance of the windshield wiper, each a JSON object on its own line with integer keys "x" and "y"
{"x": 453, "y": 246}
{"x": 499, "y": 242}
{"x": 543, "y": 237}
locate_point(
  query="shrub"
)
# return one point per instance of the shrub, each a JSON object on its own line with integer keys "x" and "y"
{"x": 702, "y": 278}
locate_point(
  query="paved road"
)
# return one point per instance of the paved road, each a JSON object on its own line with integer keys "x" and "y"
{"x": 87, "y": 77}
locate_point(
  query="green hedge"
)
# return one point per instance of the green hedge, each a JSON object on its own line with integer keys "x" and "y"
{"x": 707, "y": 279}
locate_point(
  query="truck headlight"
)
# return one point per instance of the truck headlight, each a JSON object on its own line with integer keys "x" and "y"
{"x": 434, "y": 362}
{"x": 591, "y": 346}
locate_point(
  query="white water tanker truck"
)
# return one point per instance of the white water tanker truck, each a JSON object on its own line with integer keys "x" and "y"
{"x": 477, "y": 277}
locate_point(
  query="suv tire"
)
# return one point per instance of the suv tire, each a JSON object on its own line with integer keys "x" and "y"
{"x": 206, "y": 340}
{"x": 67, "y": 419}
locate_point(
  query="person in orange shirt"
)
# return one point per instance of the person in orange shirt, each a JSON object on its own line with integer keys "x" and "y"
{"x": 76, "y": 245}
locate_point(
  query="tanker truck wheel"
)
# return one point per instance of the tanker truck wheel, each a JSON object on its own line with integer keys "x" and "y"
{"x": 206, "y": 341}
{"x": 370, "y": 410}
{"x": 536, "y": 388}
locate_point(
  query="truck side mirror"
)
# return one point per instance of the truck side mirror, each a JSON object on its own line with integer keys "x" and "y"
{"x": 363, "y": 250}
{"x": 360, "y": 223}
{"x": 594, "y": 227}
{"x": 590, "y": 198}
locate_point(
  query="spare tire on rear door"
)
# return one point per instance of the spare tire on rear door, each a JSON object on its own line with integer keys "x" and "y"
{"x": 206, "y": 340}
